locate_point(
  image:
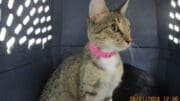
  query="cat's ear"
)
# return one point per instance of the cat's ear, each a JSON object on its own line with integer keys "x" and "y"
{"x": 123, "y": 9}
{"x": 97, "y": 10}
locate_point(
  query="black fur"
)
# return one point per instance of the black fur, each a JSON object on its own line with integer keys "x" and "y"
{"x": 135, "y": 83}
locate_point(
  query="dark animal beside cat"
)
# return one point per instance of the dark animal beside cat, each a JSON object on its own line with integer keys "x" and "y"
{"x": 135, "y": 82}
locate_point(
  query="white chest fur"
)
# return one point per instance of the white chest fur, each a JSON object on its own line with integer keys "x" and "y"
{"x": 110, "y": 67}
{"x": 109, "y": 64}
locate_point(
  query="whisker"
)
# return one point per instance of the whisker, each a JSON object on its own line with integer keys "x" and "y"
{"x": 132, "y": 50}
{"x": 135, "y": 45}
{"x": 131, "y": 54}
{"x": 135, "y": 39}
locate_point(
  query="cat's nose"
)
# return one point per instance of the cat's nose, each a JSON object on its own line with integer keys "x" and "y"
{"x": 129, "y": 40}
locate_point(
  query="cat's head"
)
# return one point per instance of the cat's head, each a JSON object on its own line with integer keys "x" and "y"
{"x": 108, "y": 30}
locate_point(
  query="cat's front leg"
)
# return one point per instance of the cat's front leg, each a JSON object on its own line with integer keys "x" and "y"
{"x": 88, "y": 93}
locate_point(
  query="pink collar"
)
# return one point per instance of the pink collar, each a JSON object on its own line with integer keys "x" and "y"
{"x": 98, "y": 52}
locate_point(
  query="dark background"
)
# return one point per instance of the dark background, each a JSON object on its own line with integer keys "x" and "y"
{"x": 24, "y": 72}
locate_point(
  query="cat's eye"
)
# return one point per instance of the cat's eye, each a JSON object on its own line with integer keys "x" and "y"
{"x": 114, "y": 28}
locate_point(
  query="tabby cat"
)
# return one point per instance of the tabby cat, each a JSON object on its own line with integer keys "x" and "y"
{"x": 93, "y": 74}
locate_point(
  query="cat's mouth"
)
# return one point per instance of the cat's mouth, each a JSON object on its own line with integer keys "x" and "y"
{"x": 124, "y": 48}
